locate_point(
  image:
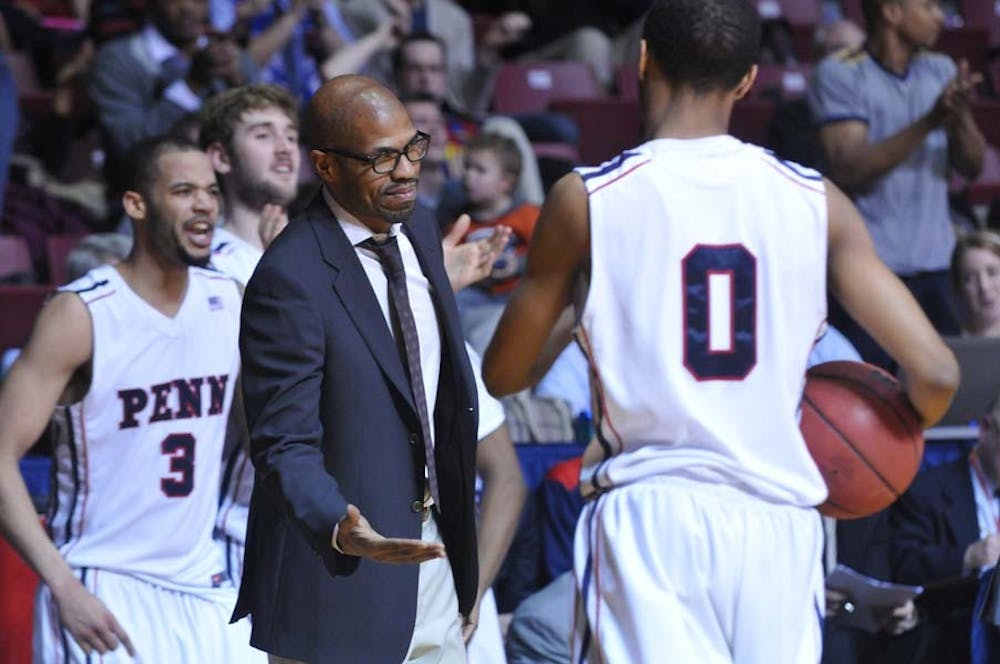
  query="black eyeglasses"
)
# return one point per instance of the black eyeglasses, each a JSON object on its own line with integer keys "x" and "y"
{"x": 387, "y": 160}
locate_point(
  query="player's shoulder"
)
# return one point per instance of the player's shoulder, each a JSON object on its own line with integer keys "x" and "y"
{"x": 845, "y": 61}
{"x": 98, "y": 283}
{"x": 804, "y": 176}
{"x": 595, "y": 178}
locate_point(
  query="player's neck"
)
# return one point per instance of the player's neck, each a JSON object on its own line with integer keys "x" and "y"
{"x": 687, "y": 115}
{"x": 891, "y": 52}
{"x": 243, "y": 222}
{"x": 986, "y": 329}
{"x": 160, "y": 281}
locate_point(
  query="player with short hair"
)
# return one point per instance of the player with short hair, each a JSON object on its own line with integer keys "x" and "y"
{"x": 696, "y": 268}
{"x": 144, "y": 357}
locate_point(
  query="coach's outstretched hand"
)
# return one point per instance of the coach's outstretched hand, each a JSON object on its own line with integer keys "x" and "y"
{"x": 90, "y": 622}
{"x": 356, "y": 537}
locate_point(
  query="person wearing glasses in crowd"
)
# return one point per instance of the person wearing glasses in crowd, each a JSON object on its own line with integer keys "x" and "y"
{"x": 361, "y": 409}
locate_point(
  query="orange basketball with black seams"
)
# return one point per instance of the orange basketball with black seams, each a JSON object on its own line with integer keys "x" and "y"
{"x": 863, "y": 434}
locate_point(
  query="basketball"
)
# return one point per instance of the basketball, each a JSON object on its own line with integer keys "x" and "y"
{"x": 863, "y": 434}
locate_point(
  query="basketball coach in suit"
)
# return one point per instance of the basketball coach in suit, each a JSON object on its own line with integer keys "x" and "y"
{"x": 361, "y": 410}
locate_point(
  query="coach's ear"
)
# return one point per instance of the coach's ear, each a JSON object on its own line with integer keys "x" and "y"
{"x": 746, "y": 82}
{"x": 643, "y": 60}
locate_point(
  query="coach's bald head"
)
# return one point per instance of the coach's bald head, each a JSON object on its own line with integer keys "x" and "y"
{"x": 350, "y": 119}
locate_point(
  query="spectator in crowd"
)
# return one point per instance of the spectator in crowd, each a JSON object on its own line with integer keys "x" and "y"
{"x": 975, "y": 275}
{"x": 145, "y": 83}
{"x": 603, "y": 34}
{"x": 420, "y": 68}
{"x": 492, "y": 168}
{"x": 425, "y": 111}
{"x": 945, "y": 530}
{"x": 894, "y": 120}
{"x": 470, "y": 64}
{"x": 143, "y": 556}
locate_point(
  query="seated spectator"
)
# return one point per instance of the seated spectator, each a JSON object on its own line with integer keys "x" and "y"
{"x": 945, "y": 529}
{"x": 541, "y": 628}
{"x": 975, "y": 275}
{"x": 145, "y": 83}
{"x": 425, "y": 112}
{"x": 492, "y": 166}
{"x": 471, "y": 64}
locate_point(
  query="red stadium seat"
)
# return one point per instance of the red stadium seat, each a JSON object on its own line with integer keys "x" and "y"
{"x": 527, "y": 87}
{"x": 15, "y": 258}
{"x": 968, "y": 43}
{"x": 607, "y": 126}
{"x": 19, "y": 306}
{"x": 781, "y": 81}
{"x": 57, "y": 248}
{"x": 19, "y": 583}
{"x": 987, "y": 115}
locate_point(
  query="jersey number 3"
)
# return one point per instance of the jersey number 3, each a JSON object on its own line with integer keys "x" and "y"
{"x": 720, "y": 311}
{"x": 180, "y": 448}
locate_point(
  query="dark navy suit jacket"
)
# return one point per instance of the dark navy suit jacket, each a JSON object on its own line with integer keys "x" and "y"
{"x": 332, "y": 421}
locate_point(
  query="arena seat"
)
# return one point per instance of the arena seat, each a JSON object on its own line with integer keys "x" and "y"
{"x": 607, "y": 126}
{"x": 57, "y": 248}
{"x": 781, "y": 81}
{"x": 19, "y": 583}
{"x": 15, "y": 258}
{"x": 19, "y": 305}
{"x": 525, "y": 87}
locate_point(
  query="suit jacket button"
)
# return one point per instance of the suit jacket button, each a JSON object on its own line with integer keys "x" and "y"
{"x": 417, "y": 506}
{"x": 413, "y": 439}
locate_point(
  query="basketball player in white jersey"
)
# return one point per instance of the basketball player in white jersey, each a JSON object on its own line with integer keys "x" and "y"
{"x": 695, "y": 268}
{"x": 144, "y": 356}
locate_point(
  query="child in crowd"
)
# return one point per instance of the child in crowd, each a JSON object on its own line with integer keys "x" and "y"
{"x": 492, "y": 168}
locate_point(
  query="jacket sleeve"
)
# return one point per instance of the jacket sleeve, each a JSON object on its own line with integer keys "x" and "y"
{"x": 282, "y": 344}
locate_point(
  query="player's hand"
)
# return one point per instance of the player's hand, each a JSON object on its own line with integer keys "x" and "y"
{"x": 470, "y": 262}
{"x": 356, "y": 537}
{"x": 273, "y": 220}
{"x": 470, "y": 623}
{"x": 506, "y": 29}
{"x": 983, "y": 553}
{"x": 90, "y": 622}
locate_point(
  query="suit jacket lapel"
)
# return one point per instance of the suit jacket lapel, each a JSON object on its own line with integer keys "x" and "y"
{"x": 352, "y": 287}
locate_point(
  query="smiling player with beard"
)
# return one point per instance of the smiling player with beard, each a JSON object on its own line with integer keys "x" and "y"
{"x": 143, "y": 356}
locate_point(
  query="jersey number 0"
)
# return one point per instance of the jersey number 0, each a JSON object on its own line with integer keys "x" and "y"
{"x": 720, "y": 311}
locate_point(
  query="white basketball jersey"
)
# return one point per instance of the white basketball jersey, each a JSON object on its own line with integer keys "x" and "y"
{"x": 137, "y": 483}
{"x": 233, "y": 255}
{"x": 707, "y": 291}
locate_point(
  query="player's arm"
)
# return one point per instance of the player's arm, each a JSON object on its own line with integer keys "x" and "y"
{"x": 884, "y": 307}
{"x": 503, "y": 497}
{"x": 855, "y": 163}
{"x": 533, "y": 329}
{"x": 61, "y": 343}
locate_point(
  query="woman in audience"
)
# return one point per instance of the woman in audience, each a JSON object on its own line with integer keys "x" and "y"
{"x": 975, "y": 273}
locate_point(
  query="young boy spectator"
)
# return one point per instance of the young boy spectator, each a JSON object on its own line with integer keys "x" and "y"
{"x": 492, "y": 167}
